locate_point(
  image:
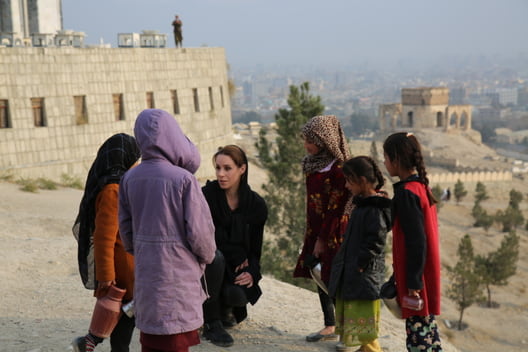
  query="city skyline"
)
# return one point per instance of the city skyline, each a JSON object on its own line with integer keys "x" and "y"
{"x": 308, "y": 33}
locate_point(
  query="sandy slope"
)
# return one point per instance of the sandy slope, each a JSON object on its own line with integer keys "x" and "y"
{"x": 44, "y": 306}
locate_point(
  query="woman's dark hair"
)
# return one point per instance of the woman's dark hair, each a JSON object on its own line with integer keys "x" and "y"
{"x": 237, "y": 155}
{"x": 364, "y": 166}
{"x": 404, "y": 149}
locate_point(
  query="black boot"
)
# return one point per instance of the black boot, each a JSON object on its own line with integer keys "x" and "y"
{"x": 228, "y": 319}
{"x": 216, "y": 334}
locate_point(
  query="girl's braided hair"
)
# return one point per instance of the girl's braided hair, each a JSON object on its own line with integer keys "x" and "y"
{"x": 404, "y": 149}
{"x": 364, "y": 166}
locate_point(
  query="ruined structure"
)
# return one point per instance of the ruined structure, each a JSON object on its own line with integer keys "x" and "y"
{"x": 425, "y": 107}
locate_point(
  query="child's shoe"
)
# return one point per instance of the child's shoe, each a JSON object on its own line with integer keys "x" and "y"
{"x": 79, "y": 344}
{"x": 341, "y": 347}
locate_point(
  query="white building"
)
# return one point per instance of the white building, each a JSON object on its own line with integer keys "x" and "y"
{"x": 30, "y": 22}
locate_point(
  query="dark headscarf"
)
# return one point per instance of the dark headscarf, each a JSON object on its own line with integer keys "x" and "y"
{"x": 117, "y": 154}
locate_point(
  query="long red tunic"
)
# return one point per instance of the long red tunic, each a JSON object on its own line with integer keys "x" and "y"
{"x": 326, "y": 197}
{"x": 415, "y": 247}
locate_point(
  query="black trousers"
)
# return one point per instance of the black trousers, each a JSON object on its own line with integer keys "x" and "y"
{"x": 328, "y": 307}
{"x": 122, "y": 334}
{"x": 223, "y": 295}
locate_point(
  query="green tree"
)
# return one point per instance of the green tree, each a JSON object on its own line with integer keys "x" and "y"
{"x": 437, "y": 193}
{"x": 464, "y": 289}
{"x": 359, "y": 123}
{"x": 512, "y": 216}
{"x": 285, "y": 191}
{"x": 497, "y": 267}
{"x": 481, "y": 216}
{"x": 481, "y": 193}
{"x": 516, "y": 198}
{"x": 459, "y": 191}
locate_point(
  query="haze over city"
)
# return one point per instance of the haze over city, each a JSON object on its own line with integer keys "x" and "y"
{"x": 308, "y": 32}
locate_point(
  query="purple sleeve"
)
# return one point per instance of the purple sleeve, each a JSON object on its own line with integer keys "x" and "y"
{"x": 125, "y": 219}
{"x": 199, "y": 223}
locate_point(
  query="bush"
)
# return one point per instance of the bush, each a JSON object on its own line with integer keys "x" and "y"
{"x": 72, "y": 182}
{"x": 44, "y": 183}
{"x": 28, "y": 185}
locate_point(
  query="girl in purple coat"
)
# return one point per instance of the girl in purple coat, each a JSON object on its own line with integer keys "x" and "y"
{"x": 164, "y": 220}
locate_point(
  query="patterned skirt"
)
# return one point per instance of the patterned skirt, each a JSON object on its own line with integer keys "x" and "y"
{"x": 422, "y": 334}
{"x": 357, "y": 321}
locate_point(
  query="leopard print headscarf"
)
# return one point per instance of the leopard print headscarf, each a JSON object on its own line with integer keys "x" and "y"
{"x": 324, "y": 131}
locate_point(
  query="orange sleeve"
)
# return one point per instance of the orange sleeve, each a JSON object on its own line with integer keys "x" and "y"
{"x": 106, "y": 232}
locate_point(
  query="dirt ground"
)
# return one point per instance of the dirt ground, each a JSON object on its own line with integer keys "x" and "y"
{"x": 44, "y": 305}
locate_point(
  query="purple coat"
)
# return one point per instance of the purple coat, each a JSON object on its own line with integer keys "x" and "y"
{"x": 164, "y": 220}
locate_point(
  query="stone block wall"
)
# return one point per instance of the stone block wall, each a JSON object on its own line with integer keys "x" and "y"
{"x": 78, "y": 87}
{"x": 467, "y": 177}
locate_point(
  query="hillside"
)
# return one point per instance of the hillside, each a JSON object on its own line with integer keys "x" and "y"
{"x": 494, "y": 329}
{"x": 490, "y": 329}
{"x": 44, "y": 305}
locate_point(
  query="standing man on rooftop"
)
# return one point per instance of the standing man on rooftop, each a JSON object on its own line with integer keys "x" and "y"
{"x": 178, "y": 37}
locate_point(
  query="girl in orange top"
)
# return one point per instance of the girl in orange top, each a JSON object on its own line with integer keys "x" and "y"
{"x": 98, "y": 216}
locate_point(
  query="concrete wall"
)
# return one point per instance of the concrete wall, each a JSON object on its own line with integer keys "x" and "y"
{"x": 67, "y": 144}
{"x": 483, "y": 176}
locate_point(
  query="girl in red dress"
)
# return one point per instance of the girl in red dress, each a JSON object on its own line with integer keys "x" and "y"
{"x": 328, "y": 205}
{"x": 415, "y": 247}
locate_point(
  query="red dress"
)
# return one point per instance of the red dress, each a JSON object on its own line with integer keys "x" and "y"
{"x": 326, "y": 197}
{"x": 415, "y": 247}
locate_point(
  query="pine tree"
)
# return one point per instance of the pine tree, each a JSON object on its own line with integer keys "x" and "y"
{"x": 459, "y": 191}
{"x": 512, "y": 216}
{"x": 481, "y": 193}
{"x": 285, "y": 191}
{"x": 481, "y": 216}
{"x": 497, "y": 267}
{"x": 437, "y": 193}
{"x": 465, "y": 283}
{"x": 516, "y": 198}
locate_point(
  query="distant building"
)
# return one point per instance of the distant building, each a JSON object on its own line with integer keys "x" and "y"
{"x": 503, "y": 96}
{"x": 458, "y": 96}
{"x": 147, "y": 39}
{"x": 35, "y": 23}
{"x": 424, "y": 107}
{"x": 523, "y": 96}
{"x": 506, "y": 135}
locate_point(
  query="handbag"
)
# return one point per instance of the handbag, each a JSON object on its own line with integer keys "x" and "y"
{"x": 388, "y": 294}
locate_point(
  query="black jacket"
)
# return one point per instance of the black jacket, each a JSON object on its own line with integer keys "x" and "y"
{"x": 239, "y": 233}
{"x": 363, "y": 248}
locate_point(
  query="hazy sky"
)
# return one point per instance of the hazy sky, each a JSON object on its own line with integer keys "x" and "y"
{"x": 312, "y": 32}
